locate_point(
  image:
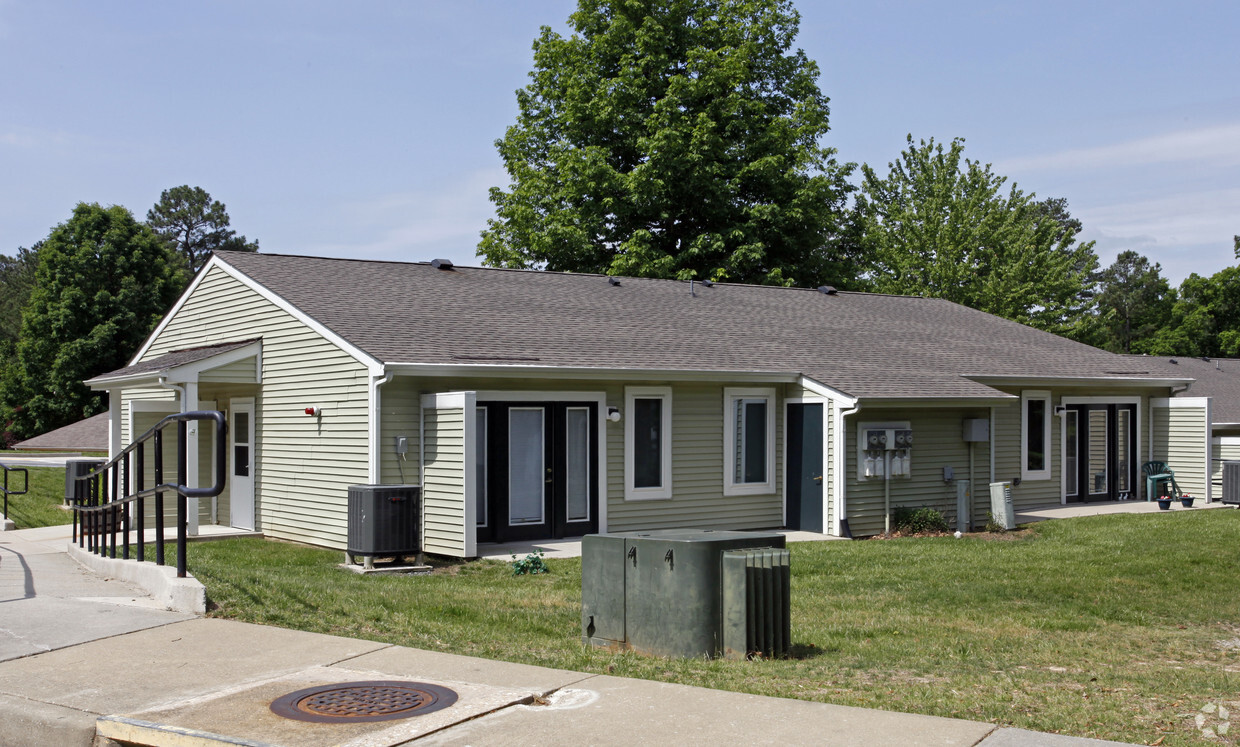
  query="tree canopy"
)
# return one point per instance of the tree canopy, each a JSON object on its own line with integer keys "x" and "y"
{"x": 16, "y": 284}
{"x": 102, "y": 283}
{"x": 193, "y": 226}
{"x": 939, "y": 224}
{"x": 1134, "y": 304}
{"x": 673, "y": 138}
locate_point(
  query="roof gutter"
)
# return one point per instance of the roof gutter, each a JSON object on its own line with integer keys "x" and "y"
{"x": 518, "y": 371}
{"x": 1115, "y": 381}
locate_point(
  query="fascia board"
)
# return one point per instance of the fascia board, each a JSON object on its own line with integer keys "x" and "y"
{"x": 1057, "y": 381}
{"x": 589, "y": 373}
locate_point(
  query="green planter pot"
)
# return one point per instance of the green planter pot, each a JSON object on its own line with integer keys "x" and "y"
{"x": 1164, "y": 504}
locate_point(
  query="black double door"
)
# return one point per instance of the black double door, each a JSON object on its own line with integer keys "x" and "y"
{"x": 537, "y": 470}
{"x": 1100, "y": 452}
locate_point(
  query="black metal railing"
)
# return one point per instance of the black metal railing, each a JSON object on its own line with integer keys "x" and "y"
{"x": 102, "y": 499}
{"x": 7, "y": 492}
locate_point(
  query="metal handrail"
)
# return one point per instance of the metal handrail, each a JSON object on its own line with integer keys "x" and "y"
{"x": 102, "y": 498}
{"x": 7, "y": 492}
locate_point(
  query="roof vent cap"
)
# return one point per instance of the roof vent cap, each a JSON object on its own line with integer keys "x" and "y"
{"x": 828, "y": 290}
{"x": 613, "y": 281}
{"x": 441, "y": 264}
{"x": 708, "y": 283}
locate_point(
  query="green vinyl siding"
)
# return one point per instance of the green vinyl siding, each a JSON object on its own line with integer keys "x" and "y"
{"x": 242, "y": 371}
{"x": 443, "y": 492}
{"x": 1030, "y": 493}
{"x": 303, "y": 464}
{"x": 399, "y": 402}
{"x": 938, "y": 442}
{"x": 697, "y": 472}
{"x": 1180, "y": 438}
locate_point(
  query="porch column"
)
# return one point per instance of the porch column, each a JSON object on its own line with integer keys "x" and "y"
{"x": 189, "y": 403}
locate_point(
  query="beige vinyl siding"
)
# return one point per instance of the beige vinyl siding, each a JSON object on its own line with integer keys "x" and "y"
{"x": 399, "y": 402}
{"x": 938, "y": 442}
{"x": 443, "y": 493}
{"x": 142, "y": 422}
{"x": 242, "y": 371}
{"x": 1180, "y": 438}
{"x": 828, "y": 469}
{"x": 697, "y": 472}
{"x": 130, "y": 396}
{"x": 697, "y": 451}
{"x": 303, "y": 465}
{"x": 1030, "y": 493}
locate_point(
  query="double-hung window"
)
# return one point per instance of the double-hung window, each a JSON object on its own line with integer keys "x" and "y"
{"x": 749, "y": 441}
{"x": 1035, "y": 434}
{"x": 647, "y": 442}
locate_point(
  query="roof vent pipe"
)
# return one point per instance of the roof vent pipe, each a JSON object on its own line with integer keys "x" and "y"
{"x": 613, "y": 281}
{"x": 827, "y": 290}
{"x": 441, "y": 264}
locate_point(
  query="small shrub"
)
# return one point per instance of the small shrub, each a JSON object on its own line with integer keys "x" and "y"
{"x": 920, "y": 520}
{"x": 992, "y": 525}
{"x": 530, "y": 564}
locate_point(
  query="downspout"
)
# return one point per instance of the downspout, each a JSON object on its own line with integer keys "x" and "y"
{"x": 841, "y": 478}
{"x": 376, "y": 430}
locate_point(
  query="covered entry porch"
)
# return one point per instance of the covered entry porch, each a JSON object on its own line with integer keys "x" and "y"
{"x": 224, "y": 377}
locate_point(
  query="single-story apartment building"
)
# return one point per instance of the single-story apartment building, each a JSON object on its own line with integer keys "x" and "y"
{"x": 535, "y": 405}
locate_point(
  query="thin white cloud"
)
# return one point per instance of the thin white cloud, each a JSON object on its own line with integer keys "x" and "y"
{"x": 1219, "y": 145}
{"x": 1205, "y": 217}
{"x": 422, "y": 224}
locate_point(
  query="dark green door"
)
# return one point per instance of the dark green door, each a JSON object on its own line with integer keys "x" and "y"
{"x": 805, "y": 467}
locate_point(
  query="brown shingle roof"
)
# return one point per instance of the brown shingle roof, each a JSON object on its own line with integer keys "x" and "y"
{"x": 90, "y": 434}
{"x": 867, "y": 345}
{"x": 172, "y": 360}
{"x": 1218, "y": 378}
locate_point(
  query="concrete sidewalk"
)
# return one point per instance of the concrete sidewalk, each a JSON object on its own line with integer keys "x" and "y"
{"x": 87, "y": 660}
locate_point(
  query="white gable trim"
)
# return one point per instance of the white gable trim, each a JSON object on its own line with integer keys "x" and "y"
{"x": 372, "y": 363}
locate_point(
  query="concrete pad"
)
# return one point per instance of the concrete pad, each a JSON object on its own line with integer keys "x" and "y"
{"x": 245, "y": 715}
{"x": 411, "y": 663}
{"x": 152, "y": 668}
{"x": 609, "y": 710}
{"x": 38, "y": 625}
{"x": 1025, "y": 738}
{"x": 29, "y": 723}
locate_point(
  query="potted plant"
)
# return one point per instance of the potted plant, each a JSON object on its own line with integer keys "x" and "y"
{"x": 1164, "y": 503}
{"x": 1186, "y": 500}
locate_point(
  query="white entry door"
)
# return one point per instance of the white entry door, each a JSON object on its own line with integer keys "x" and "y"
{"x": 241, "y": 463}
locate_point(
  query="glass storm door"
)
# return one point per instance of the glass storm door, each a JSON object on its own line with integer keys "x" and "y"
{"x": 537, "y": 475}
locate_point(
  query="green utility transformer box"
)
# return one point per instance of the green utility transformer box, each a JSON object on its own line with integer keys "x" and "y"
{"x": 686, "y": 592}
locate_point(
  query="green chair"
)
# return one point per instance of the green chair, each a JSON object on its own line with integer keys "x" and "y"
{"x": 1157, "y": 473}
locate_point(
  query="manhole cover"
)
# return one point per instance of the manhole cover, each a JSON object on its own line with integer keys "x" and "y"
{"x": 351, "y": 702}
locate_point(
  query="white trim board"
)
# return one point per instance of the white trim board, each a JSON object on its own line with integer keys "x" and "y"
{"x": 372, "y": 363}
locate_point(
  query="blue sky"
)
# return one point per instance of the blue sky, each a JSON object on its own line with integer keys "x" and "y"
{"x": 367, "y": 129}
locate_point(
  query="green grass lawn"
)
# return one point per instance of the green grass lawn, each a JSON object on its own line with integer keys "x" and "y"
{"x": 41, "y": 506}
{"x": 1115, "y": 627}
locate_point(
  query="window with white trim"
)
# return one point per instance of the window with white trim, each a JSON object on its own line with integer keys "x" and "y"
{"x": 1035, "y": 434}
{"x": 647, "y": 442}
{"x": 749, "y": 441}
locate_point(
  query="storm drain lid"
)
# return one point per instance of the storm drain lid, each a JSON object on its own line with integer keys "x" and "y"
{"x": 352, "y": 702}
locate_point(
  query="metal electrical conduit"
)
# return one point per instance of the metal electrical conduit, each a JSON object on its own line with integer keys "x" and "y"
{"x": 98, "y": 510}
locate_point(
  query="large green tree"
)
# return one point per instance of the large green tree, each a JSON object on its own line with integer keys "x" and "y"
{"x": 16, "y": 284}
{"x": 1205, "y": 320}
{"x": 938, "y": 224}
{"x": 1134, "y": 304}
{"x": 193, "y": 226}
{"x": 102, "y": 283}
{"x": 672, "y": 138}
